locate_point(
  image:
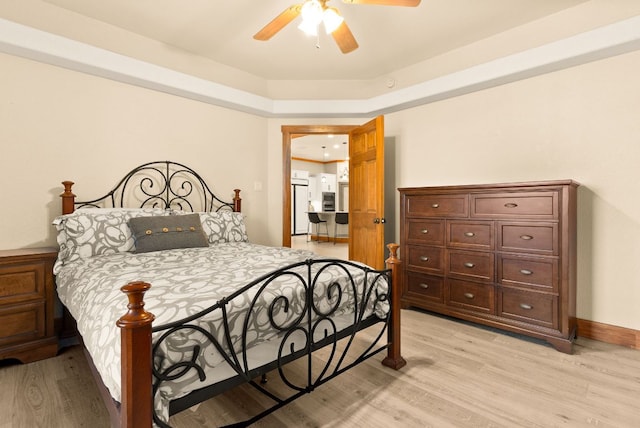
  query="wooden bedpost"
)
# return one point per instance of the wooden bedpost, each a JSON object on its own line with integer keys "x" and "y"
{"x": 68, "y": 198}
{"x": 136, "y": 401}
{"x": 237, "y": 201}
{"x": 393, "y": 358}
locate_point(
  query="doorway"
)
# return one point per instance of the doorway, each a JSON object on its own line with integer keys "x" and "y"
{"x": 289, "y": 133}
{"x": 366, "y": 194}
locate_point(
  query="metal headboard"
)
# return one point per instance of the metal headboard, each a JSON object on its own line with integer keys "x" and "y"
{"x": 159, "y": 184}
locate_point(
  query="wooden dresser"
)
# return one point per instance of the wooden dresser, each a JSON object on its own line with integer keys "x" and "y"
{"x": 503, "y": 255}
{"x": 27, "y": 304}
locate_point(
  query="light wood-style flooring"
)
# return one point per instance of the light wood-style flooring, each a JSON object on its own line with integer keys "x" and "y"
{"x": 458, "y": 375}
{"x": 338, "y": 250}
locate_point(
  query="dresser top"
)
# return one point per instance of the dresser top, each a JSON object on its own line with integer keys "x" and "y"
{"x": 40, "y": 251}
{"x": 497, "y": 186}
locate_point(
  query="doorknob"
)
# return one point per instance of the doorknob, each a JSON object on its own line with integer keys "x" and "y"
{"x": 376, "y": 220}
{"x": 383, "y": 220}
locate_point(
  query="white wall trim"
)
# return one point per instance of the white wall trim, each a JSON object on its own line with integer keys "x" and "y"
{"x": 607, "y": 41}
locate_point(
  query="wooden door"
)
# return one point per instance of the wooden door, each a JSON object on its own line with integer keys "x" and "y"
{"x": 366, "y": 193}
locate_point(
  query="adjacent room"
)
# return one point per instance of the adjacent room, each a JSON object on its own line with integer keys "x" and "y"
{"x": 323, "y": 213}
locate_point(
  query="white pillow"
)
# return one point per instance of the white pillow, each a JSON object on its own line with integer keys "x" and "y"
{"x": 89, "y": 232}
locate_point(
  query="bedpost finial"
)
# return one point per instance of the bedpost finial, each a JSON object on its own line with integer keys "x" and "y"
{"x": 67, "y": 186}
{"x": 237, "y": 201}
{"x": 136, "y": 315}
{"x": 393, "y": 251}
{"x": 393, "y": 262}
{"x": 68, "y": 198}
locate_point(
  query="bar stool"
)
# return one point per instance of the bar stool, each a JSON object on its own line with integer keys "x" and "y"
{"x": 314, "y": 218}
{"x": 341, "y": 218}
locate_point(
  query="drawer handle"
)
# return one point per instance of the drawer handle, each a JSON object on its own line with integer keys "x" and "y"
{"x": 423, "y": 285}
{"x": 510, "y": 205}
{"x": 424, "y": 231}
{"x": 469, "y": 295}
{"x": 469, "y": 234}
{"x": 526, "y": 237}
{"x": 526, "y": 306}
{"x": 526, "y": 271}
{"x": 424, "y": 258}
{"x": 469, "y": 265}
{"x": 435, "y": 205}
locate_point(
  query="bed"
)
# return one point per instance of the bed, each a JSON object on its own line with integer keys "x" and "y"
{"x": 206, "y": 309}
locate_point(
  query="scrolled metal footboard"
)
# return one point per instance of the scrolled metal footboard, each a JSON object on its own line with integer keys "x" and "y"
{"x": 284, "y": 316}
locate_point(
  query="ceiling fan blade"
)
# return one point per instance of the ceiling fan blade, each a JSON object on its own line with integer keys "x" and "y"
{"x": 344, "y": 38}
{"x": 408, "y": 3}
{"x": 278, "y": 23}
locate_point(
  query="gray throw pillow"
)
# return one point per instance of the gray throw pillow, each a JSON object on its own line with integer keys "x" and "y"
{"x": 167, "y": 232}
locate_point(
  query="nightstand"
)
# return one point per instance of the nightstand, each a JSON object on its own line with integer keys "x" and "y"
{"x": 27, "y": 304}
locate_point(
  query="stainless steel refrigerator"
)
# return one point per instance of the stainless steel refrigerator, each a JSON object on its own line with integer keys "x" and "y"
{"x": 299, "y": 206}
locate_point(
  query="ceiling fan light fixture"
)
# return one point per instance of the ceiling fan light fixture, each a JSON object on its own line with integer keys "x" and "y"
{"x": 315, "y": 12}
{"x": 312, "y": 15}
{"x": 308, "y": 28}
{"x": 331, "y": 19}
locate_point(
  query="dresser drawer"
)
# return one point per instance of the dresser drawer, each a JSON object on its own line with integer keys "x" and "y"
{"x": 531, "y": 272}
{"x": 529, "y": 307}
{"x": 426, "y": 287}
{"x": 428, "y": 232}
{"x": 471, "y": 295}
{"x": 470, "y": 234}
{"x": 471, "y": 264}
{"x": 21, "y": 282}
{"x": 437, "y": 205}
{"x": 537, "y": 238}
{"x": 19, "y": 323}
{"x": 539, "y": 205}
{"x": 425, "y": 258}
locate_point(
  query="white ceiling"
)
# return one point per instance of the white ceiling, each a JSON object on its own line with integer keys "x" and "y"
{"x": 390, "y": 38}
{"x": 322, "y": 148}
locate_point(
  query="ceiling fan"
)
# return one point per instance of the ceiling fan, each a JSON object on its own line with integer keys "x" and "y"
{"x": 315, "y": 12}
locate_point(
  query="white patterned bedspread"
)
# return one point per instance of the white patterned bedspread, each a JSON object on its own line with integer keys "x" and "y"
{"x": 184, "y": 282}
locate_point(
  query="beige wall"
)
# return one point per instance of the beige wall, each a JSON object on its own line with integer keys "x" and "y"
{"x": 57, "y": 125}
{"x": 581, "y": 123}
{"x": 274, "y": 160}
